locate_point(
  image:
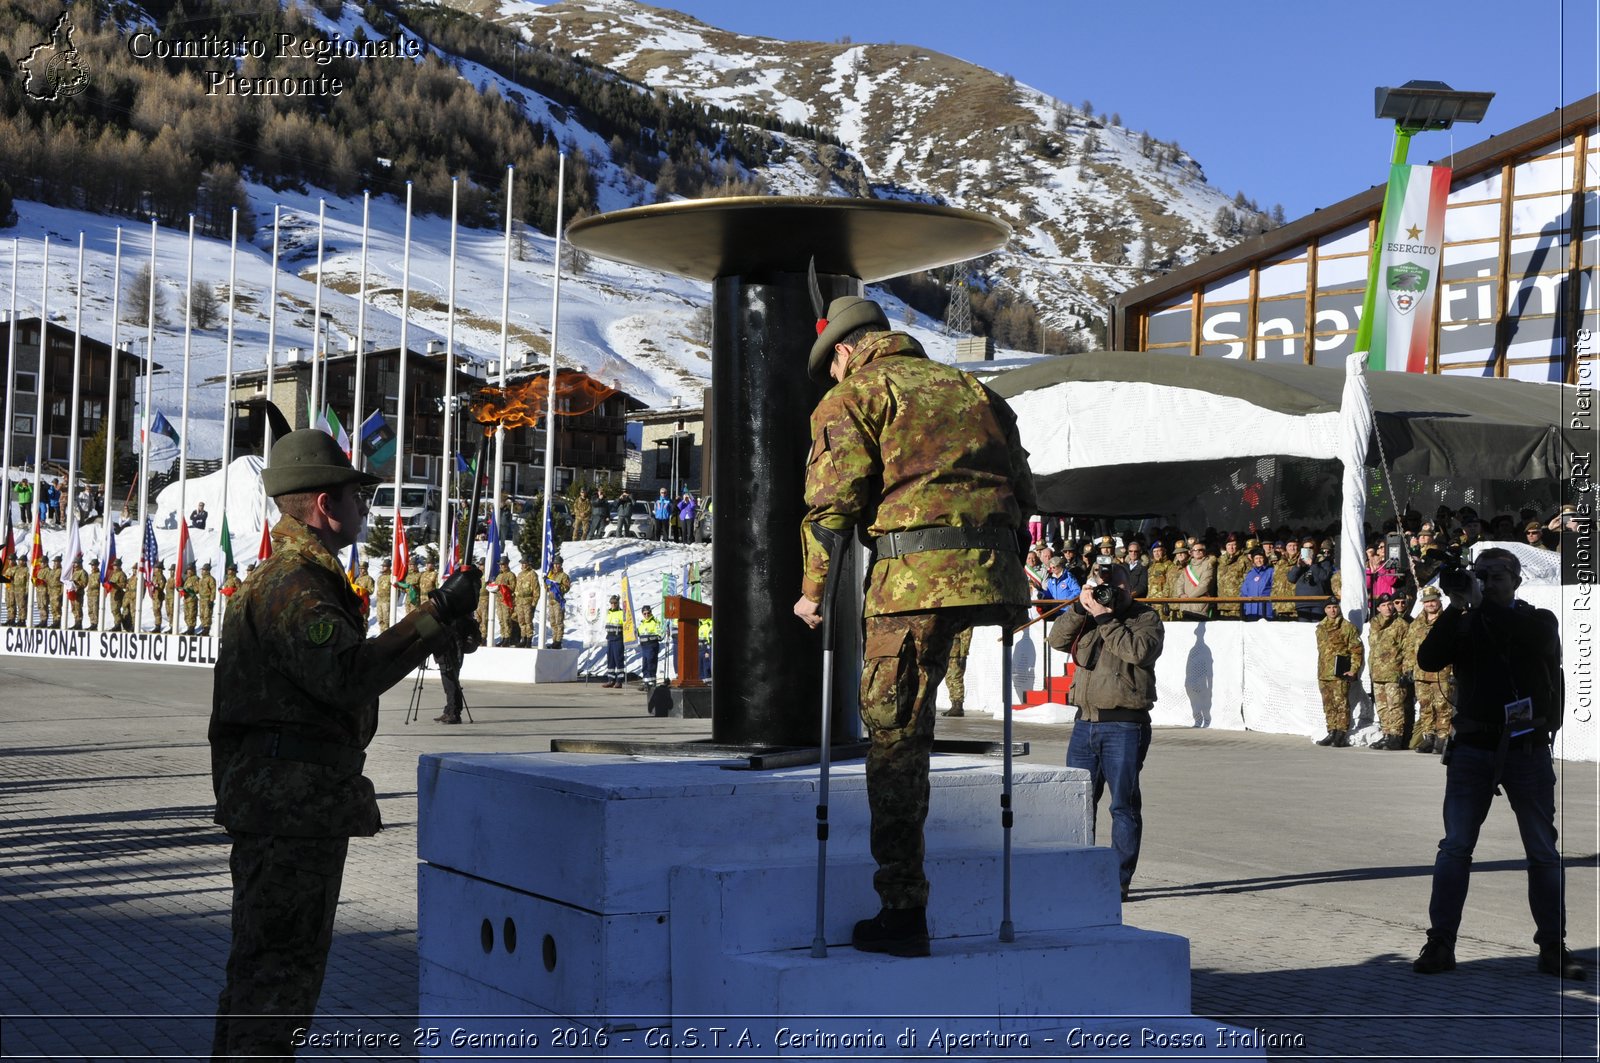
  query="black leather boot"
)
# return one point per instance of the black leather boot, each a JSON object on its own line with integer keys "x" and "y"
{"x": 1426, "y": 745}
{"x": 1439, "y": 955}
{"x": 1559, "y": 961}
{"x": 1327, "y": 739}
{"x": 1341, "y": 739}
{"x": 896, "y": 931}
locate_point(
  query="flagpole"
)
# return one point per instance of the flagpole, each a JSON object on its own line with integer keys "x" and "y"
{"x": 69, "y": 499}
{"x": 38, "y": 421}
{"x": 272, "y": 358}
{"x": 505, "y": 356}
{"x": 357, "y": 456}
{"x": 183, "y": 433}
{"x": 446, "y": 522}
{"x": 400, "y": 402}
{"x": 318, "y": 388}
{"x": 149, "y": 373}
{"x": 550, "y": 403}
{"x": 225, "y": 532}
{"x": 11, "y": 382}
{"x": 109, "y": 414}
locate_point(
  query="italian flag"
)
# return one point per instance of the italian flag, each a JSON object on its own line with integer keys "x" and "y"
{"x": 1410, "y": 257}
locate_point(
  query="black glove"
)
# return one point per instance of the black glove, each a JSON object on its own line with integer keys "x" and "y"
{"x": 457, "y": 597}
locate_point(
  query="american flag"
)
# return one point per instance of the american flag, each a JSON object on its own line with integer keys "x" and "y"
{"x": 150, "y": 556}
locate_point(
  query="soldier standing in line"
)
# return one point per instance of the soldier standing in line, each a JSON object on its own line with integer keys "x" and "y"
{"x": 1231, "y": 567}
{"x": 955, "y": 673}
{"x": 52, "y": 593}
{"x": 294, "y": 707}
{"x": 556, "y": 586}
{"x": 1432, "y": 688}
{"x": 174, "y": 592}
{"x": 1158, "y": 575}
{"x": 121, "y": 610}
{"x": 427, "y": 582}
{"x": 18, "y": 591}
{"x": 1390, "y": 694}
{"x": 525, "y": 595}
{"x": 158, "y": 592}
{"x": 1282, "y": 586}
{"x": 1339, "y": 656}
{"x": 1175, "y": 578}
{"x": 207, "y": 593}
{"x": 364, "y": 587}
{"x": 482, "y": 615}
{"x": 78, "y": 581}
{"x": 230, "y": 586}
{"x": 190, "y": 592}
{"x": 505, "y": 587}
{"x": 11, "y": 599}
{"x": 91, "y": 594}
{"x": 385, "y": 595}
{"x": 929, "y": 463}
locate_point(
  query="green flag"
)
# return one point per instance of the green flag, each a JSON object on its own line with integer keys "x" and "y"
{"x": 227, "y": 543}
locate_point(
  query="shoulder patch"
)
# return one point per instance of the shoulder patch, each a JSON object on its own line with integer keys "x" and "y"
{"x": 320, "y": 632}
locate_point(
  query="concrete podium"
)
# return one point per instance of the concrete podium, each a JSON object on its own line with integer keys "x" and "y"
{"x": 609, "y": 905}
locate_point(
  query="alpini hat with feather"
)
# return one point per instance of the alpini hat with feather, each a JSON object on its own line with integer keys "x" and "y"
{"x": 845, "y": 314}
{"x": 306, "y": 459}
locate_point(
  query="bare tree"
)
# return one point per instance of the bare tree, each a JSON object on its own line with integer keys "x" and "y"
{"x": 137, "y": 296}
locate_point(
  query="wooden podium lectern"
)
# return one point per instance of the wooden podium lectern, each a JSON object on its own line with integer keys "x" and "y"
{"x": 688, "y": 613}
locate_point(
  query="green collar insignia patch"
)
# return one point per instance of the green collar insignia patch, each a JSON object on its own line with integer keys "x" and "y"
{"x": 320, "y": 632}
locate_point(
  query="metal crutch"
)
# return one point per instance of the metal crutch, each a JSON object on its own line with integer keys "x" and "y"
{"x": 1007, "y": 931}
{"x": 838, "y": 549}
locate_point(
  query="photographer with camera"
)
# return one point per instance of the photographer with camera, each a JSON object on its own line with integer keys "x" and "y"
{"x": 1507, "y": 660}
{"x": 1115, "y": 642}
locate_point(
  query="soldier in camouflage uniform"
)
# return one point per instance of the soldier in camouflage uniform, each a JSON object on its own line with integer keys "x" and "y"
{"x": 207, "y": 593}
{"x": 17, "y": 592}
{"x": 295, "y": 704}
{"x": 906, "y": 445}
{"x": 364, "y": 587}
{"x": 52, "y": 593}
{"x": 504, "y": 622}
{"x": 174, "y": 586}
{"x": 121, "y": 607}
{"x": 556, "y": 587}
{"x": 230, "y": 587}
{"x": 1432, "y": 688}
{"x": 158, "y": 593}
{"x": 482, "y": 615}
{"x": 955, "y": 673}
{"x": 427, "y": 582}
{"x": 525, "y": 595}
{"x": 1159, "y": 575}
{"x": 1282, "y": 585}
{"x": 1231, "y": 567}
{"x": 580, "y": 515}
{"x": 1390, "y": 693}
{"x": 385, "y": 595}
{"x": 190, "y": 592}
{"x": 11, "y": 599}
{"x": 78, "y": 581}
{"x": 1336, "y": 637}
{"x": 91, "y": 594}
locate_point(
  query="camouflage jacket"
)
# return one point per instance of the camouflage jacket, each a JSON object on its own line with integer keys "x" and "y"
{"x": 294, "y": 658}
{"x": 1230, "y": 575}
{"x": 527, "y": 585}
{"x": 158, "y": 583}
{"x": 1416, "y": 631}
{"x": 905, "y": 443}
{"x": 1388, "y": 638}
{"x": 1283, "y": 586}
{"x": 562, "y": 581}
{"x": 1337, "y": 637}
{"x": 208, "y": 588}
{"x": 1159, "y": 575}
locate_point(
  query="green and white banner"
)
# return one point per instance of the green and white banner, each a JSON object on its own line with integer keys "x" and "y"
{"x": 1408, "y": 269}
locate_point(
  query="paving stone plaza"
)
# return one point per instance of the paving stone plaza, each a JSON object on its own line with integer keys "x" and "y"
{"x": 1300, "y": 876}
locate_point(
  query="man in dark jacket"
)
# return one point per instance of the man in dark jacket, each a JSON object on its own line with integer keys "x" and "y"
{"x": 1507, "y": 660}
{"x": 1115, "y": 647}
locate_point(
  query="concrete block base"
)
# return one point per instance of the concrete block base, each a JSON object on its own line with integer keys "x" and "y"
{"x": 507, "y": 665}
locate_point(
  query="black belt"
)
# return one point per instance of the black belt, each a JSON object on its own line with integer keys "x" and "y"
{"x": 897, "y": 544}
{"x": 280, "y": 746}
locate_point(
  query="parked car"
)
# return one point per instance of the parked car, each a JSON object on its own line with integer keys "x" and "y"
{"x": 419, "y": 509}
{"x": 633, "y": 522}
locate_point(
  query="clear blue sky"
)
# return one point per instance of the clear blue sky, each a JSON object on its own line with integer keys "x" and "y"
{"x": 1273, "y": 99}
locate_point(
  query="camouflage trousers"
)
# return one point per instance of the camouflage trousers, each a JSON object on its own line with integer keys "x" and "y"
{"x": 285, "y": 891}
{"x": 384, "y": 609}
{"x": 207, "y": 611}
{"x": 523, "y": 618}
{"x": 955, "y": 676}
{"x": 191, "y": 609}
{"x": 77, "y": 611}
{"x": 1335, "y": 703}
{"x": 1433, "y": 708}
{"x": 157, "y": 600}
{"x": 906, "y": 658}
{"x": 52, "y": 609}
{"x": 558, "y": 621}
{"x": 1393, "y": 701}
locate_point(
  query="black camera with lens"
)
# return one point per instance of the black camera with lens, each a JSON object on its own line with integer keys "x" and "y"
{"x": 1105, "y": 594}
{"x": 1455, "y": 579}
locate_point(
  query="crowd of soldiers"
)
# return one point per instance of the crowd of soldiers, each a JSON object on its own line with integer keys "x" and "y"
{"x": 43, "y": 598}
{"x": 515, "y": 597}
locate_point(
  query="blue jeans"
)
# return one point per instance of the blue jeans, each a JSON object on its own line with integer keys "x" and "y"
{"x": 1113, "y": 752}
{"x": 1529, "y": 781}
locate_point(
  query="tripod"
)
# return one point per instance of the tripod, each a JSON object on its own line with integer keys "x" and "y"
{"x": 414, "y": 710}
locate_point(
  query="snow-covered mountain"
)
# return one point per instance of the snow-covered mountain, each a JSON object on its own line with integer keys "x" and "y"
{"x": 922, "y": 125}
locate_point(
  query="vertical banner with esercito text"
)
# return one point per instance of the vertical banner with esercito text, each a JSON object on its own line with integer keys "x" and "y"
{"x": 1408, "y": 269}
